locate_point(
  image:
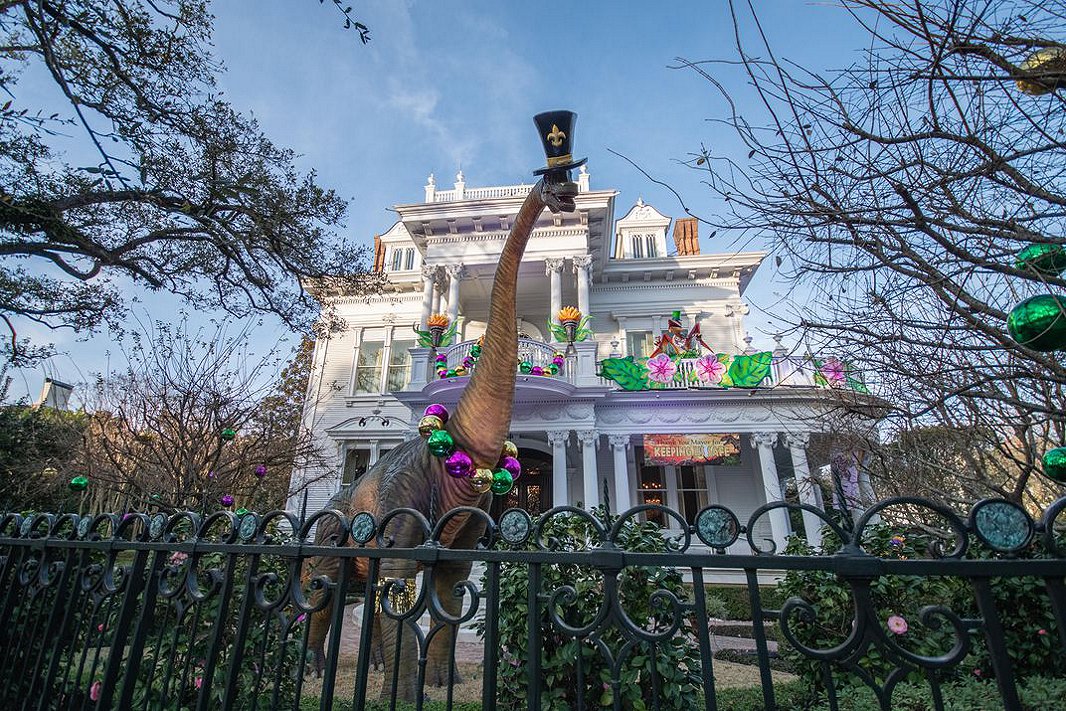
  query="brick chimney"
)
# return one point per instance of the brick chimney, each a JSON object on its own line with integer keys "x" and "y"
{"x": 687, "y": 236}
{"x": 379, "y": 254}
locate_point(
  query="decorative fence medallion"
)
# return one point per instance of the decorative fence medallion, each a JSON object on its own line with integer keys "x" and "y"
{"x": 717, "y": 526}
{"x": 249, "y": 525}
{"x": 515, "y": 525}
{"x": 1002, "y": 525}
{"x": 363, "y": 526}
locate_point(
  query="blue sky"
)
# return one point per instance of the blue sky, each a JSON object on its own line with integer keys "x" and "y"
{"x": 444, "y": 84}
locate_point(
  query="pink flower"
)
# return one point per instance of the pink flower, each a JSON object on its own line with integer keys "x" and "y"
{"x": 199, "y": 682}
{"x": 95, "y": 689}
{"x": 661, "y": 369}
{"x": 833, "y": 370}
{"x": 177, "y": 557}
{"x": 977, "y": 673}
{"x": 709, "y": 369}
{"x": 897, "y": 625}
{"x": 100, "y": 627}
{"x": 301, "y": 617}
{"x": 1041, "y": 631}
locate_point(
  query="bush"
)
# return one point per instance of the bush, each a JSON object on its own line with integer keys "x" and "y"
{"x": 1022, "y": 603}
{"x": 737, "y": 602}
{"x": 675, "y": 663}
{"x": 716, "y": 608}
{"x": 751, "y": 658}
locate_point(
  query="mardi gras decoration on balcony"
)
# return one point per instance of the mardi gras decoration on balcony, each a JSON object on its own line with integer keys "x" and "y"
{"x": 676, "y": 342}
{"x": 438, "y": 333}
{"x": 1047, "y": 71}
{"x": 572, "y": 328}
{"x": 525, "y": 367}
{"x": 662, "y": 371}
{"x": 836, "y": 373}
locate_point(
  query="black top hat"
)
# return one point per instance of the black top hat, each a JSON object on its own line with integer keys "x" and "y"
{"x": 556, "y": 129}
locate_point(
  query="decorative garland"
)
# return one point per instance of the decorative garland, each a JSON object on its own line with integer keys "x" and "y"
{"x": 459, "y": 464}
{"x": 525, "y": 367}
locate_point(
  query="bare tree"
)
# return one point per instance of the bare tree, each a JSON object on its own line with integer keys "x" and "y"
{"x": 194, "y": 417}
{"x": 899, "y": 191}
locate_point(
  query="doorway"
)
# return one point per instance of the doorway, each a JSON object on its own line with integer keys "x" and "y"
{"x": 533, "y": 490}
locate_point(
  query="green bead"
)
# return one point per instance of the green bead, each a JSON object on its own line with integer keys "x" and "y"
{"x": 475, "y": 351}
{"x": 525, "y": 366}
{"x": 1039, "y": 323}
{"x": 1045, "y": 259}
{"x": 553, "y": 369}
{"x": 501, "y": 482}
{"x": 228, "y": 434}
{"x": 440, "y": 443}
{"x": 1055, "y": 464}
{"x": 78, "y": 483}
{"x": 241, "y": 511}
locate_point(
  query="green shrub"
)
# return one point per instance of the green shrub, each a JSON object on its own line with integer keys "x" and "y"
{"x": 676, "y": 662}
{"x": 738, "y": 603}
{"x": 716, "y": 608}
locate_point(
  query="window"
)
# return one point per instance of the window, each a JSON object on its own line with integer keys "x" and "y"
{"x": 691, "y": 491}
{"x": 399, "y": 365}
{"x": 409, "y": 259}
{"x": 639, "y": 344}
{"x": 638, "y": 247}
{"x": 651, "y": 487}
{"x": 356, "y": 462}
{"x": 397, "y": 258}
{"x": 650, "y": 241}
{"x": 368, "y": 367}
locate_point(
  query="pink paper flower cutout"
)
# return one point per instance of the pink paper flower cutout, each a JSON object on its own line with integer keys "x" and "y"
{"x": 709, "y": 369}
{"x": 95, "y": 690}
{"x": 833, "y": 370}
{"x": 661, "y": 369}
{"x": 897, "y": 625}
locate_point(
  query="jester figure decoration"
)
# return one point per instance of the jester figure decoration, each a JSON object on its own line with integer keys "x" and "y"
{"x": 455, "y": 465}
{"x": 676, "y": 342}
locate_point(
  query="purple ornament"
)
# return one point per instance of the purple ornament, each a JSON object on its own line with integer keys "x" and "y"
{"x": 261, "y": 471}
{"x": 468, "y": 361}
{"x": 459, "y": 464}
{"x": 558, "y": 360}
{"x": 437, "y": 411}
{"x": 210, "y": 475}
{"x": 226, "y": 500}
{"x": 513, "y": 467}
{"x": 537, "y": 370}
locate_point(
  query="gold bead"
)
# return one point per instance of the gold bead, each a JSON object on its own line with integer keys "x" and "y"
{"x": 429, "y": 424}
{"x": 461, "y": 370}
{"x": 481, "y": 481}
{"x": 509, "y": 449}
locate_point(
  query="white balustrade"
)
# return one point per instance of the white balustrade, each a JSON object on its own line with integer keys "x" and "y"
{"x": 503, "y": 191}
{"x": 538, "y": 354}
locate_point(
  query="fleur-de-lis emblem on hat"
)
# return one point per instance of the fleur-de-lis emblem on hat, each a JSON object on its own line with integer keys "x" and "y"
{"x": 556, "y": 136}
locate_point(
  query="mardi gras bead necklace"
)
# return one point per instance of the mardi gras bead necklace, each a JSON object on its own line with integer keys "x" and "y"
{"x": 459, "y": 464}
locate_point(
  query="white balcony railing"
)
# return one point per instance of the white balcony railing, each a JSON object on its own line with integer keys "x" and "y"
{"x": 538, "y": 354}
{"x": 502, "y": 191}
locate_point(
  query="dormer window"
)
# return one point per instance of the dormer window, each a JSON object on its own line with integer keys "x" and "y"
{"x": 403, "y": 259}
{"x": 650, "y": 241}
{"x": 638, "y": 246}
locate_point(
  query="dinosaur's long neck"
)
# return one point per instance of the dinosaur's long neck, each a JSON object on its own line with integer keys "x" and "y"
{"x": 483, "y": 415}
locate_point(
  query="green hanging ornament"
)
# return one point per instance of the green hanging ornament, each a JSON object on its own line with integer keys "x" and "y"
{"x": 440, "y": 443}
{"x": 241, "y": 511}
{"x": 1044, "y": 259}
{"x": 525, "y": 366}
{"x": 79, "y": 483}
{"x": 1039, "y": 323}
{"x": 501, "y": 482}
{"x": 228, "y": 434}
{"x": 1055, "y": 464}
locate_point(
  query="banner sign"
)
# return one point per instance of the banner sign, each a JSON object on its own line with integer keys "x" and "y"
{"x": 676, "y": 450}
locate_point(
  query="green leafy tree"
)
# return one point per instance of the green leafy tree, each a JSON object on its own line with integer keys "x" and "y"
{"x": 137, "y": 170}
{"x": 40, "y": 452}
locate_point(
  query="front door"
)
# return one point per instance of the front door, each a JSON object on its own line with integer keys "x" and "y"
{"x": 533, "y": 490}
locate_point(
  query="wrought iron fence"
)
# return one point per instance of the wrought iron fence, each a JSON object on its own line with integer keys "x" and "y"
{"x": 573, "y": 609}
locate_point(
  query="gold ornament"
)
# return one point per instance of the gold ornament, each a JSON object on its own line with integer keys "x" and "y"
{"x": 481, "y": 481}
{"x": 461, "y": 370}
{"x": 509, "y": 449}
{"x": 429, "y": 424}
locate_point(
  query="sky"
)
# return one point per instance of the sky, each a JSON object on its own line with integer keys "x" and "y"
{"x": 445, "y": 85}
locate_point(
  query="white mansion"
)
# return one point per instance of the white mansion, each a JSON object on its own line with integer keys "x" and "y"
{"x": 685, "y": 436}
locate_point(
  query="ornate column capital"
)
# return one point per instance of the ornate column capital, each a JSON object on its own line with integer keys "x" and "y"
{"x": 619, "y": 441}
{"x": 553, "y": 265}
{"x": 582, "y": 262}
{"x": 456, "y": 271}
{"x": 556, "y": 437}
{"x": 588, "y": 437}
{"x": 797, "y": 440}
{"x": 429, "y": 271}
{"x": 763, "y": 439}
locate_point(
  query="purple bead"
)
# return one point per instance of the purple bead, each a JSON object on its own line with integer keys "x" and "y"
{"x": 537, "y": 370}
{"x": 468, "y": 361}
{"x": 558, "y": 361}
{"x": 513, "y": 467}
{"x": 437, "y": 411}
{"x": 261, "y": 471}
{"x": 226, "y": 500}
{"x": 459, "y": 464}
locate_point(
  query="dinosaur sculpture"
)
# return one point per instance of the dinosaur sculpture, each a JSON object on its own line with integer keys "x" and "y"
{"x": 409, "y": 475}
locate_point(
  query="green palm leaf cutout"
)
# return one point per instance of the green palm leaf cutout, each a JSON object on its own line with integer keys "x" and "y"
{"x": 449, "y": 335}
{"x": 747, "y": 371}
{"x": 557, "y": 331}
{"x": 583, "y": 332}
{"x": 624, "y": 371}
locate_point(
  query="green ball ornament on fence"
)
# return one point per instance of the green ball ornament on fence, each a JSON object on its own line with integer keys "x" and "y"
{"x": 501, "y": 482}
{"x": 1044, "y": 259}
{"x": 440, "y": 443}
{"x": 1055, "y": 464}
{"x": 228, "y": 434}
{"x": 1039, "y": 323}
{"x": 79, "y": 483}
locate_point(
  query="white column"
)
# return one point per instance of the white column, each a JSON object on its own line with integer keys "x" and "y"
{"x": 455, "y": 275}
{"x": 582, "y": 262}
{"x": 589, "y": 476}
{"x": 764, "y": 443}
{"x": 375, "y": 452}
{"x": 622, "y": 495}
{"x": 436, "y": 295}
{"x": 558, "y": 440}
{"x": 429, "y": 277}
{"x": 553, "y": 268}
{"x": 805, "y": 486}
